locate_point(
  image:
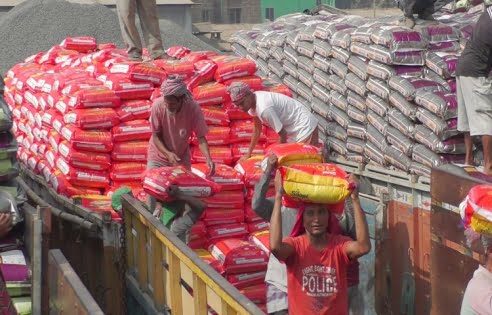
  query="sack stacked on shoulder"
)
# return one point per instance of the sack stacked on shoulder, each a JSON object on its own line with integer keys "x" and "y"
{"x": 476, "y": 209}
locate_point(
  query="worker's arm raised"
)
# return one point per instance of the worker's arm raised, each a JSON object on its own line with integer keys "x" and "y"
{"x": 362, "y": 244}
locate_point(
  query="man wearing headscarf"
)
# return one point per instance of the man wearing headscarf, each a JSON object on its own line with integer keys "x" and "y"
{"x": 175, "y": 117}
{"x": 478, "y": 294}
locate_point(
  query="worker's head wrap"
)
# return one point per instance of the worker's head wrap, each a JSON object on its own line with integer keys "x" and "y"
{"x": 174, "y": 86}
{"x": 238, "y": 90}
{"x": 332, "y": 226}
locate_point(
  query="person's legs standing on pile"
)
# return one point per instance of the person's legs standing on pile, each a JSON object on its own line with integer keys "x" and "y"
{"x": 149, "y": 22}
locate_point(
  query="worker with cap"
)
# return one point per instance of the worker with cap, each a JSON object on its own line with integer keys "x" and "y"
{"x": 174, "y": 118}
{"x": 478, "y": 294}
{"x": 286, "y": 116}
{"x": 474, "y": 90}
{"x": 149, "y": 22}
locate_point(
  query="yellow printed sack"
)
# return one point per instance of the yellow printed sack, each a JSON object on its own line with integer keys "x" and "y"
{"x": 315, "y": 183}
{"x": 294, "y": 153}
{"x": 476, "y": 209}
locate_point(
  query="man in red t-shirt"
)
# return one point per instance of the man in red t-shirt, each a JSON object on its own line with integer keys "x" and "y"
{"x": 175, "y": 116}
{"x": 317, "y": 261}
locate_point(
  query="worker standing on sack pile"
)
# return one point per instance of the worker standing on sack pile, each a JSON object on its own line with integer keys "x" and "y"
{"x": 317, "y": 260}
{"x": 424, "y": 9}
{"x": 149, "y": 22}
{"x": 175, "y": 116}
{"x": 474, "y": 90}
{"x": 289, "y": 118}
{"x": 478, "y": 294}
{"x": 276, "y": 277}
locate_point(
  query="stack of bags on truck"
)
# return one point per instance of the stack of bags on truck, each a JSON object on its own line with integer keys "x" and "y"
{"x": 382, "y": 93}
{"x": 81, "y": 110}
{"x": 15, "y": 281}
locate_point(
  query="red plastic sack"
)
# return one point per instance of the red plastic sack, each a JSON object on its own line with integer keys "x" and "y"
{"x": 250, "y": 215}
{"x": 198, "y": 243}
{"x": 238, "y": 256}
{"x": 98, "y": 204}
{"x": 130, "y": 151}
{"x": 73, "y": 87}
{"x": 204, "y": 73}
{"x": 184, "y": 69}
{"x": 241, "y": 149}
{"x": 290, "y": 153}
{"x": 234, "y": 112}
{"x": 279, "y": 88}
{"x": 270, "y": 192}
{"x": 198, "y": 231}
{"x": 476, "y": 209}
{"x": 81, "y": 177}
{"x": 127, "y": 171}
{"x": 140, "y": 72}
{"x": 219, "y": 154}
{"x": 196, "y": 56}
{"x": 96, "y": 118}
{"x": 215, "y": 116}
{"x": 126, "y": 89}
{"x": 256, "y": 293}
{"x": 54, "y": 138}
{"x": 231, "y": 199}
{"x": 212, "y": 93}
{"x": 244, "y": 280}
{"x": 63, "y": 187}
{"x": 226, "y": 176}
{"x": 251, "y": 170}
{"x": 258, "y": 226}
{"x": 217, "y": 135}
{"x": 229, "y": 67}
{"x": 215, "y": 216}
{"x": 157, "y": 182}
{"x": 133, "y": 110}
{"x": 253, "y": 81}
{"x": 177, "y": 51}
{"x": 207, "y": 257}
{"x": 81, "y": 44}
{"x": 84, "y": 140}
{"x": 261, "y": 240}
{"x": 242, "y": 131}
{"x": 227, "y": 231}
{"x": 84, "y": 160}
{"x": 98, "y": 96}
{"x": 272, "y": 136}
{"x": 132, "y": 130}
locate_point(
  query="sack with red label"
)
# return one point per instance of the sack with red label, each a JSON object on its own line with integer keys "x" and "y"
{"x": 184, "y": 69}
{"x": 140, "y": 72}
{"x": 219, "y": 154}
{"x": 241, "y": 149}
{"x": 198, "y": 230}
{"x": 97, "y": 96}
{"x": 220, "y": 216}
{"x": 177, "y": 52}
{"x": 242, "y": 131}
{"x": 130, "y": 151}
{"x": 76, "y": 86}
{"x": 212, "y": 93}
{"x": 251, "y": 170}
{"x": 249, "y": 214}
{"x": 132, "y": 130}
{"x": 272, "y": 136}
{"x": 98, "y": 204}
{"x": 262, "y": 240}
{"x": 84, "y": 160}
{"x": 226, "y": 176}
{"x": 196, "y": 56}
{"x": 126, "y": 89}
{"x": 204, "y": 73}
{"x": 207, "y": 257}
{"x": 134, "y": 109}
{"x": 254, "y": 82}
{"x": 83, "y": 44}
{"x": 230, "y": 199}
{"x": 198, "y": 243}
{"x": 217, "y": 135}
{"x": 127, "y": 171}
{"x": 95, "y": 118}
{"x": 84, "y": 140}
{"x": 258, "y": 226}
{"x": 80, "y": 177}
{"x": 215, "y": 116}
{"x": 270, "y": 193}
{"x": 157, "y": 182}
{"x": 476, "y": 209}
{"x": 244, "y": 280}
{"x": 61, "y": 185}
{"x": 229, "y": 67}
{"x": 295, "y": 153}
{"x": 227, "y": 231}
{"x": 234, "y": 112}
{"x": 256, "y": 293}
{"x": 238, "y": 256}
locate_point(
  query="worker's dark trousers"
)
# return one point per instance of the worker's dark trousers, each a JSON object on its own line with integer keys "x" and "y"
{"x": 424, "y": 8}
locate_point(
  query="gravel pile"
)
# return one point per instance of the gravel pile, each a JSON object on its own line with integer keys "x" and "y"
{"x": 37, "y": 25}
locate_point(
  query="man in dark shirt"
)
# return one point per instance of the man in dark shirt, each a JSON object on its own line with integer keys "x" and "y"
{"x": 474, "y": 90}
{"x": 424, "y": 9}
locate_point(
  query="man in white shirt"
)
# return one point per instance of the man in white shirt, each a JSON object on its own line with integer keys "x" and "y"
{"x": 289, "y": 118}
{"x": 478, "y": 295}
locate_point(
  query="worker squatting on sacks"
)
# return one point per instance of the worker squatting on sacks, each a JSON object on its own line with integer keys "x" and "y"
{"x": 478, "y": 294}
{"x": 174, "y": 117}
{"x": 149, "y": 22}
{"x": 424, "y": 9}
{"x": 474, "y": 90}
{"x": 289, "y": 118}
{"x": 276, "y": 276}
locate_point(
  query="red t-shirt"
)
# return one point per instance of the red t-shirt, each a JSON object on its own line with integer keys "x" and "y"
{"x": 175, "y": 130}
{"x": 317, "y": 280}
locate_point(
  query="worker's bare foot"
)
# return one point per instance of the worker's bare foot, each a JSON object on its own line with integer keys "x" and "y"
{"x": 408, "y": 22}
